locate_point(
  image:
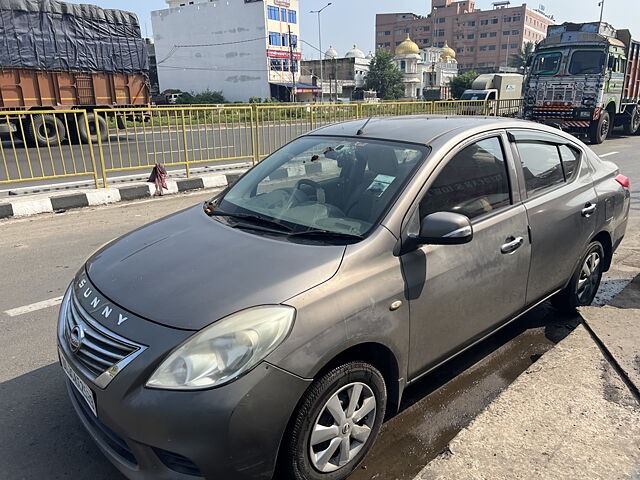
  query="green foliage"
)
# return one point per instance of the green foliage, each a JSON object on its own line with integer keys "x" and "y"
{"x": 461, "y": 83}
{"x": 384, "y": 77}
{"x": 519, "y": 60}
{"x": 206, "y": 97}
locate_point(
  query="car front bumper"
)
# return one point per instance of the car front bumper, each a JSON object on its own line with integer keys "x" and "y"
{"x": 230, "y": 432}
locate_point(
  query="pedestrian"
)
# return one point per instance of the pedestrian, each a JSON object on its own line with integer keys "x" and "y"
{"x": 159, "y": 176}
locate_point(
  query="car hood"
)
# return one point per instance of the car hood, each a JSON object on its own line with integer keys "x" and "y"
{"x": 188, "y": 270}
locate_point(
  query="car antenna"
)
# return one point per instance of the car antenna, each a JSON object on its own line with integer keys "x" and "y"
{"x": 361, "y": 131}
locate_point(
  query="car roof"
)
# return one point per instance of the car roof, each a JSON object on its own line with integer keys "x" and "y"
{"x": 425, "y": 129}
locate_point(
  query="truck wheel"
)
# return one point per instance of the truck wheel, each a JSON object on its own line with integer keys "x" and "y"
{"x": 46, "y": 130}
{"x": 599, "y": 131}
{"x": 84, "y": 135}
{"x": 632, "y": 127}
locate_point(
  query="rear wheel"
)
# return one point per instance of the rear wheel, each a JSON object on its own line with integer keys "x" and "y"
{"x": 599, "y": 131}
{"x": 336, "y": 424}
{"x": 45, "y": 130}
{"x": 585, "y": 281}
{"x": 92, "y": 132}
{"x": 632, "y": 127}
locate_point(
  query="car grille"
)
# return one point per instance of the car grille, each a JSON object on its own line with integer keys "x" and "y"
{"x": 100, "y": 349}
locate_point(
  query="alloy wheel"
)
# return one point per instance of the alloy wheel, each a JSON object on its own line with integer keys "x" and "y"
{"x": 604, "y": 127}
{"x": 589, "y": 277}
{"x": 343, "y": 427}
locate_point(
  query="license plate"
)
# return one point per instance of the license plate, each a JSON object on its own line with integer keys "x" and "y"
{"x": 80, "y": 385}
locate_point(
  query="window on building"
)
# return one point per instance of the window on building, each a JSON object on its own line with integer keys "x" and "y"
{"x": 515, "y": 32}
{"x": 514, "y": 45}
{"x": 440, "y": 44}
{"x": 403, "y": 66}
{"x": 471, "y": 49}
{"x": 506, "y": 33}
{"x": 494, "y": 20}
{"x": 294, "y": 41}
{"x": 504, "y": 46}
{"x": 276, "y": 64}
{"x": 483, "y": 48}
{"x": 427, "y": 28}
{"x": 472, "y": 23}
{"x": 474, "y": 182}
{"x": 273, "y": 13}
{"x": 484, "y": 22}
{"x": 471, "y": 36}
{"x": 283, "y": 14}
{"x": 275, "y": 39}
{"x": 492, "y": 47}
{"x": 293, "y": 16}
{"x": 493, "y": 34}
{"x": 459, "y": 50}
{"x": 440, "y": 32}
{"x": 285, "y": 40}
{"x": 517, "y": 18}
{"x": 507, "y": 19}
{"x": 483, "y": 35}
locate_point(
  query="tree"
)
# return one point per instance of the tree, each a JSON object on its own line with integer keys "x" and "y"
{"x": 384, "y": 77}
{"x": 461, "y": 83}
{"x": 519, "y": 60}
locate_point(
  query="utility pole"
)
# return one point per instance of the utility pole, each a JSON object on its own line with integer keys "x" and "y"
{"x": 291, "y": 67}
{"x": 321, "y": 52}
{"x": 601, "y": 5}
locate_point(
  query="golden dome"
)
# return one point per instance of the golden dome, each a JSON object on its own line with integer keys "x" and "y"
{"x": 448, "y": 53}
{"x": 408, "y": 47}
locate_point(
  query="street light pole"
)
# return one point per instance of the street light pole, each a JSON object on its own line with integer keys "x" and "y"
{"x": 321, "y": 53}
{"x": 601, "y": 5}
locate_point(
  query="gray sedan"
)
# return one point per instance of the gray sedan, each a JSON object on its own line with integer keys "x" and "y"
{"x": 267, "y": 333}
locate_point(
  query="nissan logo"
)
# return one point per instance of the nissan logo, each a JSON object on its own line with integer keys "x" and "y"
{"x": 76, "y": 338}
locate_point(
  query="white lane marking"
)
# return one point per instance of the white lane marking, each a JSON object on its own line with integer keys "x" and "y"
{"x": 52, "y": 302}
{"x": 608, "y": 154}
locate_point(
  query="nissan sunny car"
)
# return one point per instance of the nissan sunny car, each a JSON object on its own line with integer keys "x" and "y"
{"x": 268, "y": 332}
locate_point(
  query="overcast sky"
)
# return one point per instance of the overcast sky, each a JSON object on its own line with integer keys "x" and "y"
{"x": 353, "y": 21}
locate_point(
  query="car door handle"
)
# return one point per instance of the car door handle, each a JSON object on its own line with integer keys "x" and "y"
{"x": 512, "y": 245}
{"x": 588, "y": 209}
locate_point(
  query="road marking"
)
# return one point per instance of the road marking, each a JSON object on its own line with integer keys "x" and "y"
{"x": 52, "y": 302}
{"x": 608, "y": 154}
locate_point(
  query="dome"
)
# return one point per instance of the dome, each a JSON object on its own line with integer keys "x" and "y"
{"x": 370, "y": 55}
{"x": 448, "y": 53}
{"x": 408, "y": 47}
{"x": 355, "y": 52}
{"x": 331, "y": 53}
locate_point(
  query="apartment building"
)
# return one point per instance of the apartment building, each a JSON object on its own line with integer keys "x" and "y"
{"x": 482, "y": 39}
{"x": 245, "y": 49}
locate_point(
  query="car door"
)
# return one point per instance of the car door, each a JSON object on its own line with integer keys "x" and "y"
{"x": 561, "y": 203}
{"x": 458, "y": 293}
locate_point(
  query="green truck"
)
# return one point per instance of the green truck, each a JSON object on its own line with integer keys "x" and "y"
{"x": 585, "y": 78}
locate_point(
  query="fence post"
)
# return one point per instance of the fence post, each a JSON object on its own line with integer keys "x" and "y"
{"x": 184, "y": 139}
{"x": 311, "y": 107}
{"x": 93, "y": 157}
{"x": 254, "y": 134}
{"x": 100, "y": 147}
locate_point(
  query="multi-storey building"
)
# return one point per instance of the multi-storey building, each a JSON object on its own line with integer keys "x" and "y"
{"x": 482, "y": 39}
{"x": 245, "y": 49}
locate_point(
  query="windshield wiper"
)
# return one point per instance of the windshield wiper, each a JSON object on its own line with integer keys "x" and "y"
{"x": 327, "y": 234}
{"x": 252, "y": 218}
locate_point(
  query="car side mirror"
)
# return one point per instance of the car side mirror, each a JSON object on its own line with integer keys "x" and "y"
{"x": 445, "y": 228}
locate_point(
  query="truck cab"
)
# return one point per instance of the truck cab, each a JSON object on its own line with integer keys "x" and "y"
{"x": 495, "y": 93}
{"x": 577, "y": 81}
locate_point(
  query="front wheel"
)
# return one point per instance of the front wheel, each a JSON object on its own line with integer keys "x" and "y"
{"x": 585, "y": 281}
{"x": 336, "y": 424}
{"x": 599, "y": 131}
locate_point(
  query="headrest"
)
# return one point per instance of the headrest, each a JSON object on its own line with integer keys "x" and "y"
{"x": 381, "y": 159}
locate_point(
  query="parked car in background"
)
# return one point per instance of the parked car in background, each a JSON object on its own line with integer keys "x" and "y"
{"x": 267, "y": 332}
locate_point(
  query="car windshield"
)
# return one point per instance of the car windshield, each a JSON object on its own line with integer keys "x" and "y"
{"x": 323, "y": 185}
{"x": 587, "y": 61}
{"x": 547, "y": 63}
{"x": 471, "y": 95}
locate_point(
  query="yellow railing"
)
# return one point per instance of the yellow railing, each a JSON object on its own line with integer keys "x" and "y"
{"x": 39, "y": 145}
{"x": 42, "y": 145}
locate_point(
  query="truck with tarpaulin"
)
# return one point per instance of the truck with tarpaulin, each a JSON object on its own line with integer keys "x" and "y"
{"x": 585, "y": 78}
{"x": 62, "y": 56}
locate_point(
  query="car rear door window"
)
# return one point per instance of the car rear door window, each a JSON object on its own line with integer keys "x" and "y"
{"x": 541, "y": 166}
{"x": 570, "y": 159}
{"x": 474, "y": 182}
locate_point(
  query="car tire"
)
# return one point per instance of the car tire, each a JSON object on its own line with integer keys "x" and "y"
{"x": 584, "y": 282}
{"x": 304, "y": 460}
{"x": 599, "y": 131}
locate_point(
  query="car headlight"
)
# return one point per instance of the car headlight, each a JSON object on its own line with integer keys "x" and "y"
{"x": 224, "y": 350}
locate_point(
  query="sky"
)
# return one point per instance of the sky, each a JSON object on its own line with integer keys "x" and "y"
{"x": 349, "y": 22}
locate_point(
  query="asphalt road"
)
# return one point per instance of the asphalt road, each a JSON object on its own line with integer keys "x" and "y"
{"x": 42, "y": 438}
{"x": 206, "y": 145}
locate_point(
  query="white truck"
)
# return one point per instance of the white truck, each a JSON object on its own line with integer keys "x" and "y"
{"x": 500, "y": 93}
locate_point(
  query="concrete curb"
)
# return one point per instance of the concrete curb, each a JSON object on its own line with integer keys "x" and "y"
{"x": 57, "y": 202}
{"x": 34, "y": 204}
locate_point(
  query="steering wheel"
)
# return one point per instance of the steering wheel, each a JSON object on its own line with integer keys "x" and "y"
{"x": 320, "y": 194}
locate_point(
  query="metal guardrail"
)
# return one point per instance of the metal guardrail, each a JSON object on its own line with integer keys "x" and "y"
{"x": 41, "y": 145}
